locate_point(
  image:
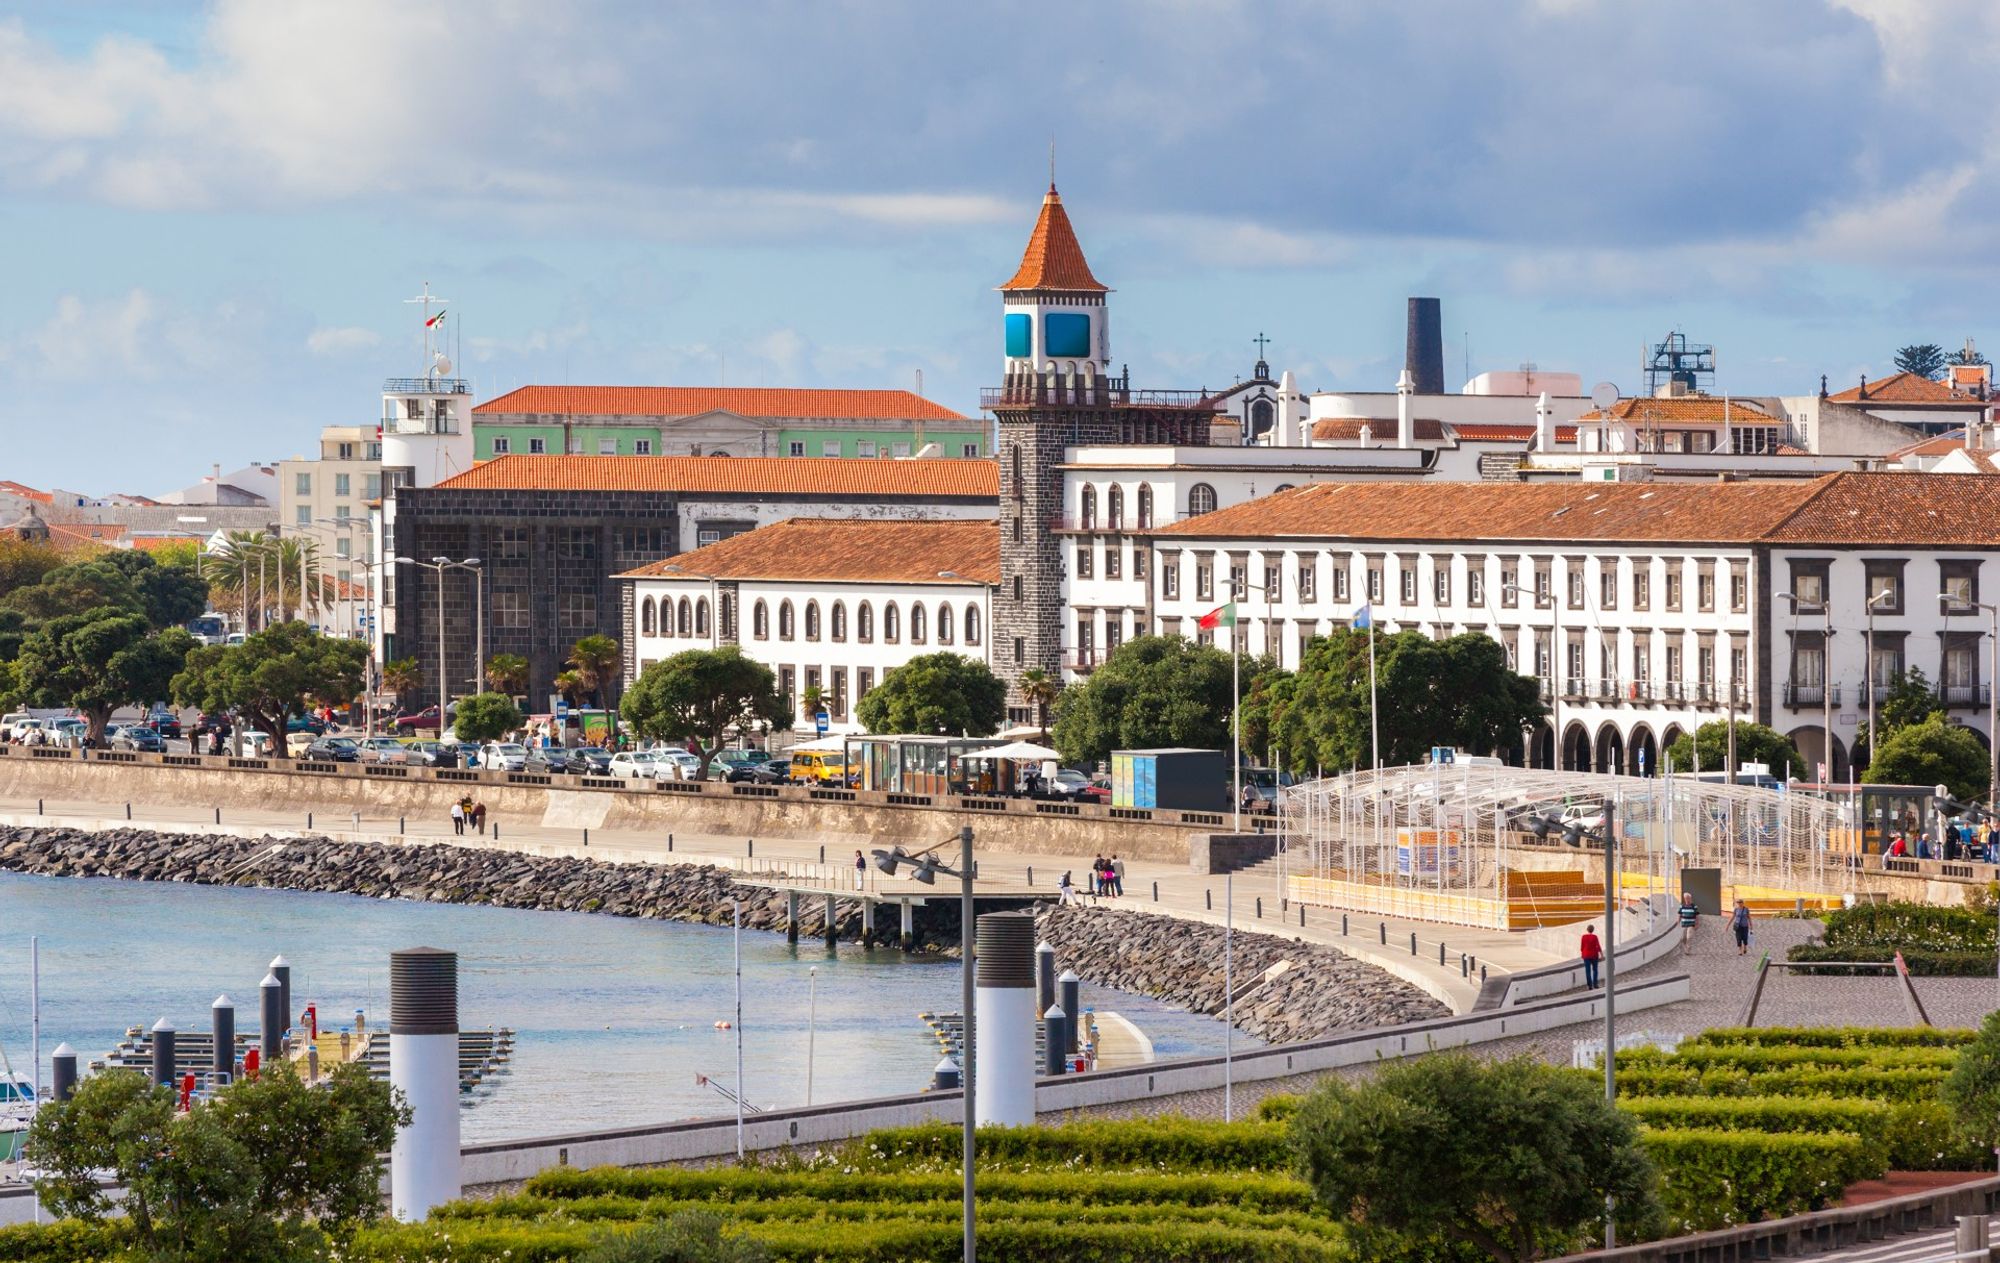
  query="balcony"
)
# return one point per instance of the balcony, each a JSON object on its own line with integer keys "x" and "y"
{"x": 1082, "y": 661}
{"x": 1575, "y": 688}
{"x": 1797, "y": 695}
{"x": 1065, "y": 525}
{"x": 1966, "y": 694}
{"x": 1037, "y": 390}
{"x": 427, "y": 386}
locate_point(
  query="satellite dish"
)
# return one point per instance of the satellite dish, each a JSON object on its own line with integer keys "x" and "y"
{"x": 1604, "y": 395}
{"x": 441, "y": 366}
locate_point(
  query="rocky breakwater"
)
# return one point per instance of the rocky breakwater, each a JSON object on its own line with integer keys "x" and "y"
{"x": 1320, "y": 991}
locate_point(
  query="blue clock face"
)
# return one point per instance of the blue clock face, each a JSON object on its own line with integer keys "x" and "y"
{"x": 1020, "y": 333}
{"x": 1067, "y": 333}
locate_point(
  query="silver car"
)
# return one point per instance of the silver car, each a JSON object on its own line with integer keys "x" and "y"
{"x": 505, "y": 756}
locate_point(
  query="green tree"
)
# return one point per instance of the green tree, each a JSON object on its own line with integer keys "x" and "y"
{"x": 24, "y": 564}
{"x": 265, "y": 1173}
{"x": 1458, "y": 692}
{"x": 1967, "y": 354}
{"x": 1510, "y": 1158}
{"x": 507, "y": 673}
{"x": 273, "y": 675}
{"x": 400, "y": 676}
{"x": 1040, "y": 691}
{"x": 99, "y": 661}
{"x": 172, "y": 596}
{"x": 704, "y": 695}
{"x": 1910, "y": 699}
{"x": 936, "y": 692}
{"x": 1926, "y": 359}
{"x": 1755, "y": 743}
{"x": 595, "y": 659}
{"x": 486, "y": 717}
{"x": 691, "y": 1236}
{"x": 1153, "y": 691}
{"x": 1265, "y": 702}
{"x": 84, "y": 586}
{"x": 1971, "y": 1092}
{"x": 1932, "y": 753}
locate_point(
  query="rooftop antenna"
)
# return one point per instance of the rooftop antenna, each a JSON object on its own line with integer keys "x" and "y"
{"x": 431, "y": 322}
{"x": 1052, "y": 162}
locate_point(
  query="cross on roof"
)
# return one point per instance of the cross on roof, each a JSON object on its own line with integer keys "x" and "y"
{"x": 1261, "y": 342}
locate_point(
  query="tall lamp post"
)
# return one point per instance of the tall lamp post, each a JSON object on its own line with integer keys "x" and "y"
{"x": 1825, "y": 675}
{"x": 438, "y": 565}
{"x": 1992, "y": 694}
{"x": 1868, "y": 668}
{"x": 925, "y": 869}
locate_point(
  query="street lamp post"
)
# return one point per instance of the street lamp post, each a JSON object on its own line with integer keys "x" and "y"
{"x": 926, "y": 869}
{"x": 1868, "y": 670}
{"x": 438, "y": 565}
{"x": 1992, "y": 694}
{"x": 1555, "y": 666}
{"x": 1825, "y": 675}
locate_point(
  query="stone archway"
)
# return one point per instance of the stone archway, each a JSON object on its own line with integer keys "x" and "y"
{"x": 1811, "y": 744}
{"x": 1576, "y": 749}
{"x": 1643, "y": 753}
{"x": 1673, "y": 733}
{"x": 1542, "y": 748}
{"x": 1610, "y": 750}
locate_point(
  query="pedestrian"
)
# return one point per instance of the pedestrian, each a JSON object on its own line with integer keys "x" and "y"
{"x": 1067, "y": 889}
{"x": 1117, "y": 875}
{"x": 860, "y": 872}
{"x": 1097, "y": 875}
{"x": 1897, "y": 847}
{"x": 1592, "y": 952}
{"x": 458, "y": 818}
{"x": 1688, "y": 915}
{"x": 479, "y": 818}
{"x": 1739, "y": 921}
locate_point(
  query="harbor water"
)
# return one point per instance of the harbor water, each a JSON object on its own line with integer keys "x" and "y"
{"x": 614, "y": 1018}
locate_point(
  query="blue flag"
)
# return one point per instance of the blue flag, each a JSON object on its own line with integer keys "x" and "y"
{"x": 1363, "y": 619}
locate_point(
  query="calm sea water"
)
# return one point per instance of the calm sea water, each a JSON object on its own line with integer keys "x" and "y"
{"x": 614, "y": 1018}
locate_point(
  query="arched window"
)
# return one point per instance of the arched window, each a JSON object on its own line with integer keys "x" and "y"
{"x": 760, "y": 621}
{"x": 864, "y": 623}
{"x": 1114, "y": 508}
{"x": 972, "y": 624}
{"x": 701, "y": 617}
{"x": 840, "y": 620}
{"x": 784, "y": 620}
{"x": 1201, "y": 499}
{"x": 944, "y": 624}
{"x": 646, "y": 617}
{"x": 685, "y": 622}
{"x": 1145, "y": 506}
{"x": 1089, "y": 506}
{"x": 916, "y": 623}
{"x": 725, "y": 616}
{"x": 1262, "y": 414}
{"x": 892, "y": 630}
{"x": 812, "y": 620}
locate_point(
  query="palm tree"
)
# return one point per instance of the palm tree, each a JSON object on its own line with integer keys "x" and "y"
{"x": 596, "y": 660}
{"x": 811, "y": 700}
{"x": 400, "y": 676}
{"x": 1039, "y": 691}
{"x": 260, "y": 574}
{"x": 570, "y": 684}
{"x": 507, "y": 673}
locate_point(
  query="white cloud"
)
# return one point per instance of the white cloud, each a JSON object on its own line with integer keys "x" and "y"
{"x": 341, "y": 340}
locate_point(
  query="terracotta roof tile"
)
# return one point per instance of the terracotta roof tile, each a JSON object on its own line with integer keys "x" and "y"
{"x": 689, "y": 401}
{"x": 1348, "y": 429}
{"x": 25, "y": 491}
{"x": 748, "y": 475}
{"x": 1936, "y": 445}
{"x": 1842, "y": 508}
{"x": 153, "y": 543}
{"x": 1904, "y": 388}
{"x": 1054, "y": 259}
{"x": 844, "y": 550}
{"x": 1685, "y": 410}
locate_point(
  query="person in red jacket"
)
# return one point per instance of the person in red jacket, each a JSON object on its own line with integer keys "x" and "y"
{"x": 1592, "y": 952}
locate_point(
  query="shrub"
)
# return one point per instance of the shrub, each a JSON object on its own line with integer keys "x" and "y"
{"x": 692, "y": 1236}
{"x": 1866, "y": 1119}
{"x": 1934, "y": 940}
{"x": 1921, "y": 963}
{"x": 1172, "y": 1143}
{"x": 65, "y": 1241}
{"x": 1755, "y": 1058}
{"x": 1714, "y": 1179}
{"x": 1972, "y": 1092}
{"x": 1279, "y": 1108}
{"x": 1833, "y": 1036}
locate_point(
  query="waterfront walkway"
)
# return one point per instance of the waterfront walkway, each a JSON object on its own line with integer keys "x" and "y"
{"x": 1445, "y": 961}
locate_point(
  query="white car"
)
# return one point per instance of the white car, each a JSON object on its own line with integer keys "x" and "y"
{"x": 508, "y": 756}
{"x": 629, "y": 763}
{"x": 676, "y": 765}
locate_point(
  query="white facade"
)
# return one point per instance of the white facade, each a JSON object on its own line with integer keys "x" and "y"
{"x": 841, "y": 637}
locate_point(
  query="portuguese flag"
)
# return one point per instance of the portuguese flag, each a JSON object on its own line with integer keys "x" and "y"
{"x": 434, "y": 321}
{"x": 1221, "y": 616}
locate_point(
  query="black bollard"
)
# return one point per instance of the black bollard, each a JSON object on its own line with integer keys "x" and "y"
{"x": 586, "y": 837}
{"x": 750, "y": 848}
{"x": 1260, "y": 907}
{"x": 309, "y": 820}
{"x": 1383, "y": 927}
{"x": 1302, "y": 916}
{"x": 1031, "y": 875}
{"x": 401, "y": 824}
{"x": 1156, "y": 892}
{"x": 670, "y": 842}
{"x": 128, "y": 811}
{"x": 1343, "y": 925}
{"x": 822, "y": 853}
{"x": 1413, "y": 942}
{"x": 1440, "y": 953}
{"x": 1055, "y": 1040}
{"x": 1208, "y": 899}
{"x": 38, "y": 808}
{"x": 218, "y": 815}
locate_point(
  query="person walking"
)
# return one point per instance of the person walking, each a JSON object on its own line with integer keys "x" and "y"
{"x": 1096, "y": 875}
{"x": 1117, "y": 876}
{"x": 458, "y": 818}
{"x": 1592, "y": 952}
{"x": 860, "y": 872}
{"x": 1689, "y": 913}
{"x": 1067, "y": 889}
{"x": 1739, "y": 922}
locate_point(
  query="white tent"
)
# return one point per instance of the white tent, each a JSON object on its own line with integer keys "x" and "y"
{"x": 1017, "y": 752}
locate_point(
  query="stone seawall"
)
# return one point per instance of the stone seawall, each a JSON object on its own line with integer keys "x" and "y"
{"x": 1321, "y": 992}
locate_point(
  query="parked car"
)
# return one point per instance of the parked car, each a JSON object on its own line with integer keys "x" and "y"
{"x": 1067, "y": 785}
{"x": 256, "y": 745}
{"x": 634, "y": 763}
{"x": 676, "y": 765}
{"x": 67, "y": 732}
{"x": 383, "y": 750}
{"x": 759, "y": 772}
{"x": 1098, "y": 791}
{"x": 814, "y": 767}
{"x": 305, "y": 723}
{"x": 425, "y": 718}
{"x": 506, "y": 756}
{"x": 297, "y": 743}
{"x": 165, "y": 722}
{"x": 137, "y": 737}
{"x": 548, "y": 760}
{"x": 426, "y": 753}
{"x": 331, "y": 749}
{"x": 589, "y": 761}
{"x": 15, "y": 723}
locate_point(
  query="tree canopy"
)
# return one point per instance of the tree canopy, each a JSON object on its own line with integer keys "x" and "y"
{"x": 1152, "y": 692}
{"x": 98, "y": 661}
{"x": 507, "y": 673}
{"x": 1755, "y": 743}
{"x": 486, "y": 717}
{"x": 1513, "y": 1159}
{"x": 1932, "y": 753}
{"x": 274, "y": 674}
{"x": 595, "y": 660}
{"x": 704, "y": 695}
{"x": 1926, "y": 359}
{"x": 937, "y": 692}
{"x": 266, "y": 1171}
{"x": 1457, "y": 692}
{"x": 168, "y": 596}
{"x": 1972, "y": 1091}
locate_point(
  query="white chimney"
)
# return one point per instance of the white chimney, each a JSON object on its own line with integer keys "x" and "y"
{"x": 1542, "y": 423}
{"x": 1291, "y": 417}
{"x": 1405, "y": 430}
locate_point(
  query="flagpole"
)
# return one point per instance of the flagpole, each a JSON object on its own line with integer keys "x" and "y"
{"x": 1236, "y": 702}
{"x": 1374, "y": 724}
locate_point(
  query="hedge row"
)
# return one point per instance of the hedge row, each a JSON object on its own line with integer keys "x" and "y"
{"x": 1170, "y": 1143}
{"x": 1916, "y": 1083}
{"x": 1712, "y": 1179}
{"x": 1922, "y": 962}
{"x": 69, "y": 1241}
{"x": 1757, "y": 1057}
{"x": 1832, "y": 1037}
{"x": 1866, "y": 1119}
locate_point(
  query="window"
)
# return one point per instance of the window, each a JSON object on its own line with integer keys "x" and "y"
{"x": 969, "y": 450}
{"x": 646, "y": 613}
{"x": 1887, "y": 663}
{"x": 372, "y": 486}
{"x": 892, "y": 629}
{"x": 813, "y": 687}
{"x": 342, "y": 485}
{"x": 796, "y": 447}
{"x": 829, "y": 447}
{"x": 916, "y": 623}
{"x": 573, "y": 544}
{"x": 760, "y": 620}
{"x": 1674, "y": 588}
{"x": 1114, "y": 559}
{"x": 1408, "y": 575}
{"x": 1114, "y": 512}
{"x": 899, "y": 450}
{"x": 972, "y": 624}
{"x": 510, "y": 609}
{"x": 784, "y": 620}
{"x": 343, "y": 511}
{"x": 1201, "y": 499}
{"x": 1238, "y": 580}
{"x": 1959, "y": 680}
{"x": 1083, "y": 559}
{"x": 1705, "y": 589}
{"x": 1170, "y": 577}
{"x": 786, "y": 680}
{"x": 1441, "y": 580}
{"x": 1308, "y": 580}
{"x": 1340, "y": 582}
{"x": 1809, "y": 665}
{"x": 642, "y": 447}
{"x": 1475, "y": 584}
{"x": 1374, "y": 581}
{"x": 701, "y": 617}
{"x": 1607, "y": 585}
{"x": 865, "y": 448}
{"x": 302, "y": 484}
{"x": 1809, "y": 586}
{"x": 864, "y": 623}
{"x": 345, "y": 451}
{"x": 1088, "y": 511}
{"x": 1204, "y": 579}
{"x": 1573, "y": 572}
{"x": 538, "y": 447}
{"x": 864, "y": 679}
{"x": 1642, "y": 586}
{"x": 1958, "y": 582}
{"x": 684, "y": 622}
{"x": 1739, "y": 665}
{"x": 837, "y": 676}
{"x": 946, "y": 624}
{"x": 343, "y": 547}
{"x": 579, "y": 611}
{"x": 1020, "y": 651}
{"x": 1510, "y": 582}
{"x": 1885, "y": 586}
{"x": 1017, "y": 588}
{"x": 1739, "y": 590}
{"x": 1145, "y": 507}
{"x": 1545, "y": 581}
{"x": 1675, "y": 676}
{"x": 303, "y": 515}
{"x": 840, "y": 621}
{"x": 812, "y": 620}
{"x": 1274, "y": 584}
{"x": 1704, "y": 657}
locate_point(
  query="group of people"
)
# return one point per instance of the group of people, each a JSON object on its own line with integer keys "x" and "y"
{"x": 1590, "y": 948}
{"x": 1960, "y": 841}
{"x": 1106, "y": 877}
{"x": 467, "y": 812}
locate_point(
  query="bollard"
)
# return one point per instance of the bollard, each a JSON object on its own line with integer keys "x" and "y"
{"x": 1343, "y": 925}
{"x": 1463, "y": 967}
{"x": 496, "y": 830}
{"x": 1208, "y": 898}
{"x": 1156, "y": 892}
{"x": 1302, "y": 916}
{"x": 1482, "y": 974}
{"x": 1055, "y": 1025}
{"x": 670, "y": 842}
{"x": 1260, "y": 907}
{"x": 1383, "y": 926}
{"x": 1031, "y": 875}
{"x": 309, "y": 820}
{"x": 586, "y": 837}
{"x": 218, "y": 815}
{"x": 128, "y": 816}
{"x": 1413, "y": 942}
{"x": 401, "y": 823}
{"x": 822, "y": 853}
{"x": 1440, "y": 953}
{"x": 750, "y": 847}
{"x": 40, "y": 812}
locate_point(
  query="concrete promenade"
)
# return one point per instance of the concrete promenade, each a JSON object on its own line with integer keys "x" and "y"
{"x": 1150, "y": 886}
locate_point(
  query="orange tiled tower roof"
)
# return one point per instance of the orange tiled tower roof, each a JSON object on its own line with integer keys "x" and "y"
{"x": 1053, "y": 259}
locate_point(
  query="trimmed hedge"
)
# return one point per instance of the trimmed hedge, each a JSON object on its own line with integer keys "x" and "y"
{"x": 1165, "y": 1143}
{"x": 1865, "y": 1119}
{"x": 1279, "y": 1108}
{"x": 69, "y": 1241}
{"x": 1756, "y": 1058}
{"x": 1832, "y": 1037}
{"x": 1713, "y": 1179}
{"x": 1935, "y": 941}
{"x": 1922, "y": 963}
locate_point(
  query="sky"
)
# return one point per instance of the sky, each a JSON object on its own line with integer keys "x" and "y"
{"x": 211, "y": 215}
